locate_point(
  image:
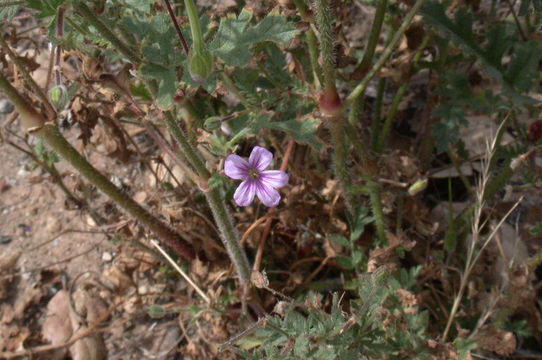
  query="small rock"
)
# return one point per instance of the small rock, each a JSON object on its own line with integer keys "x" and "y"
{"x": 4, "y": 239}
{"x": 53, "y": 225}
{"x": 6, "y": 107}
{"x": 140, "y": 196}
{"x": 107, "y": 256}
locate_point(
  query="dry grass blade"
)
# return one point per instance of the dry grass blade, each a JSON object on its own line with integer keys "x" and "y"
{"x": 180, "y": 271}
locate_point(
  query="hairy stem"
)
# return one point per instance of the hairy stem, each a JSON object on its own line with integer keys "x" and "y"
{"x": 377, "y": 116}
{"x": 374, "y": 36}
{"x": 229, "y": 234}
{"x": 324, "y": 22}
{"x": 376, "y": 205}
{"x": 386, "y": 127}
{"x": 50, "y": 134}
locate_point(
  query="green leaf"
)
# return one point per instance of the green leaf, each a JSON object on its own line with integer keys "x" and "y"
{"x": 272, "y": 28}
{"x": 154, "y": 71}
{"x": 339, "y": 239}
{"x": 233, "y": 41}
{"x": 44, "y": 8}
{"x": 141, "y": 5}
{"x": 344, "y": 262}
{"x": 303, "y": 131}
{"x": 226, "y": 44}
{"x": 461, "y": 33}
{"x": 167, "y": 85}
{"x": 522, "y": 71}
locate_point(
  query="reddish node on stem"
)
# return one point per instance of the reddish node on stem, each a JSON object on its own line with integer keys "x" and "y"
{"x": 330, "y": 103}
{"x": 535, "y": 131}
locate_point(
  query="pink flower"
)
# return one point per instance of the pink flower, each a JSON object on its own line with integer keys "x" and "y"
{"x": 256, "y": 180}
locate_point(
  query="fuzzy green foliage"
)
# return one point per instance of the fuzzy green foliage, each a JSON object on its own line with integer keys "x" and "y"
{"x": 235, "y": 37}
{"x": 376, "y": 323}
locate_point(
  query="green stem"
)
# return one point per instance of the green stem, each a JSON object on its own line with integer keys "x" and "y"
{"x": 376, "y": 204}
{"x": 313, "y": 55}
{"x": 377, "y": 116}
{"x": 324, "y": 21}
{"x": 195, "y": 28}
{"x": 341, "y": 171}
{"x": 384, "y": 133}
{"x": 51, "y": 135}
{"x": 186, "y": 148}
{"x": 360, "y": 89}
{"x": 375, "y": 34}
{"x": 229, "y": 234}
{"x": 105, "y": 31}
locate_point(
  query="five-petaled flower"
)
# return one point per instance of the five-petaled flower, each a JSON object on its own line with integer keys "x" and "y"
{"x": 256, "y": 180}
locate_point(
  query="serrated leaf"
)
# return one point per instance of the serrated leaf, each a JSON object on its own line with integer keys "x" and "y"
{"x": 522, "y": 71}
{"x": 154, "y": 71}
{"x": 232, "y": 41}
{"x": 166, "y": 91}
{"x": 339, "y": 239}
{"x": 44, "y": 8}
{"x": 167, "y": 85}
{"x": 460, "y": 32}
{"x": 303, "y": 131}
{"x": 272, "y": 28}
{"x": 225, "y": 44}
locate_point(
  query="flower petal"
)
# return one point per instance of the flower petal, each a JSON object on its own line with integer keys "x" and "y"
{"x": 236, "y": 167}
{"x": 274, "y": 178}
{"x": 245, "y": 193}
{"x": 260, "y": 158}
{"x": 267, "y": 195}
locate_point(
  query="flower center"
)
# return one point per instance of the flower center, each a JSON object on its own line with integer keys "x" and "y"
{"x": 253, "y": 174}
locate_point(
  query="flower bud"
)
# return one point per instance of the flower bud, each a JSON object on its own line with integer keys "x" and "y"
{"x": 200, "y": 64}
{"x": 58, "y": 96}
{"x": 417, "y": 187}
{"x": 212, "y": 123}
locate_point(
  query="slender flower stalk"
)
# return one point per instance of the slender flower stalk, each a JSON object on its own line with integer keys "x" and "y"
{"x": 200, "y": 60}
{"x": 360, "y": 88}
{"x": 374, "y": 36}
